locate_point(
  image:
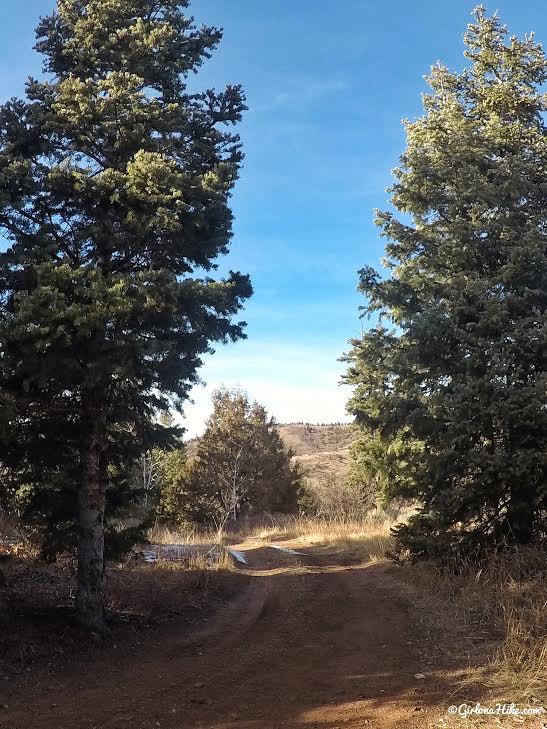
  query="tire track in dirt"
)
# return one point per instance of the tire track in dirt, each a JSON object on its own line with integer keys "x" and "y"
{"x": 310, "y": 642}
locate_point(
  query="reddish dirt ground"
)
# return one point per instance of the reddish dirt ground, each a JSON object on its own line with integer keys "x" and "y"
{"x": 313, "y": 641}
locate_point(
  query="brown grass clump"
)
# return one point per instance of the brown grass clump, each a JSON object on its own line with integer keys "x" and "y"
{"x": 502, "y": 605}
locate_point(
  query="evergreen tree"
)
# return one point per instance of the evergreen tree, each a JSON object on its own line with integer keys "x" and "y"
{"x": 114, "y": 188}
{"x": 241, "y": 465}
{"x": 451, "y": 383}
{"x": 172, "y": 491}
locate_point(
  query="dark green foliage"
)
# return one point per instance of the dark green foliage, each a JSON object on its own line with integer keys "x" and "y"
{"x": 450, "y": 386}
{"x": 241, "y": 465}
{"x": 170, "y": 492}
{"x": 114, "y": 189}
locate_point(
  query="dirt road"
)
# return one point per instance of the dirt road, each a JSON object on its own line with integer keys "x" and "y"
{"x": 313, "y": 641}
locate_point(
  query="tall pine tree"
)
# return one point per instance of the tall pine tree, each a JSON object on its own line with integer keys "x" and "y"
{"x": 452, "y": 381}
{"x": 115, "y": 179}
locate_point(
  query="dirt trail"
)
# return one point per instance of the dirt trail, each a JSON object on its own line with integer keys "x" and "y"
{"x": 311, "y": 642}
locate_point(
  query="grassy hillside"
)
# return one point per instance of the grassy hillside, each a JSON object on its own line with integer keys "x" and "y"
{"x": 305, "y": 439}
{"x": 321, "y": 450}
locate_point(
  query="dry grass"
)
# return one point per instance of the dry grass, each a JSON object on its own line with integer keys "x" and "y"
{"x": 304, "y": 439}
{"x": 502, "y": 606}
{"x": 366, "y": 538}
{"x": 220, "y": 561}
{"x": 161, "y": 534}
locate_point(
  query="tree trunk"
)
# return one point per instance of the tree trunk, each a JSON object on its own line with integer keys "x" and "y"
{"x": 91, "y": 504}
{"x": 521, "y": 512}
{"x": 520, "y": 517}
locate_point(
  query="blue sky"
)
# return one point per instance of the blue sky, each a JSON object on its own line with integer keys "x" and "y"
{"x": 327, "y": 85}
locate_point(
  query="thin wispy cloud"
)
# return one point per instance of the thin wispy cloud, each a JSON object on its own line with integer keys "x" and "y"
{"x": 295, "y": 382}
{"x": 326, "y": 94}
{"x": 298, "y": 96}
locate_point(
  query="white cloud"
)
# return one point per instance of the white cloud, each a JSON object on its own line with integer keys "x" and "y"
{"x": 295, "y": 383}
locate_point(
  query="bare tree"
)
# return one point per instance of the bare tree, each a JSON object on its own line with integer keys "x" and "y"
{"x": 151, "y": 470}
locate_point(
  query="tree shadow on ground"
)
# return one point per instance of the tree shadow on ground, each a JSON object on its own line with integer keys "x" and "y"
{"x": 309, "y": 641}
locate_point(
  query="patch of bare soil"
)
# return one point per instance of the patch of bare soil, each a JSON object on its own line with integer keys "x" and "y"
{"x": 317, "y": 640}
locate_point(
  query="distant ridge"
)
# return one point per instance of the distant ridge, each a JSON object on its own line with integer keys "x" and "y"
{"x": 322, "y": 450}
